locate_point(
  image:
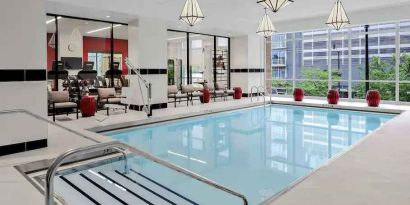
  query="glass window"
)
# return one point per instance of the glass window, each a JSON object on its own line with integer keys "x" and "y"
{"x": 177, "y": 58}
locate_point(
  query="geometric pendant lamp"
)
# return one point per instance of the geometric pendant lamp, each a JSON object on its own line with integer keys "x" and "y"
{"x": 266, "y": 27}
{"x": 338, "y": 17}
{"x": 191, "y": 13}
{"x": 274, "y": 5}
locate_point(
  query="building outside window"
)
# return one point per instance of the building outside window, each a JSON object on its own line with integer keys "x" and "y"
{"x": 327, "y": 59}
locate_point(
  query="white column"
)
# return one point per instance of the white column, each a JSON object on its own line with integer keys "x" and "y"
{"x": 147, "y": 45}
{"x": 247, "y": 62}
{"x": 23, "y": 71}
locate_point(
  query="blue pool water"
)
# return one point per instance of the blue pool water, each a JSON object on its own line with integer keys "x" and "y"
{"x": 257, "y": 152}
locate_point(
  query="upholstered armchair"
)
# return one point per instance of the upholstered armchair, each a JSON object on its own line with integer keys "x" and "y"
{"x": 61, "y": 101}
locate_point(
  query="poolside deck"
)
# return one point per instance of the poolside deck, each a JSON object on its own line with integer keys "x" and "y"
{"x": 374, "y": 172}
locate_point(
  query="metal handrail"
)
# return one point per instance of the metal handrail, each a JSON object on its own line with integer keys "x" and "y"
{"x": 51, "y": 171}
{"x": 252, "y": 88}
{"x": 261, "y": 90}
{"x": 147, "y": 85}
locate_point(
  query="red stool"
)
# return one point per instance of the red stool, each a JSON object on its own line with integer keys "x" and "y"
{"x": 333, "y": 97}
{"x": 88, "y": 106}
{"x": 373, "y": 98}
{"x": 298, "y": 94}
{"x": 206, "y": 96}
{"x": 238, "y": 93}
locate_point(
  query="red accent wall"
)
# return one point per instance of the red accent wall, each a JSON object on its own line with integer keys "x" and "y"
{"x": 95, "y": 44}
{"x": 50, "y": 53}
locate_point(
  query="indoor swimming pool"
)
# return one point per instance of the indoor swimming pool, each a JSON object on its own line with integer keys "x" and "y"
{"x": 257, "y": 151}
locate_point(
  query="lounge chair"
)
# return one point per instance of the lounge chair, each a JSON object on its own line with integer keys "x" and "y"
{"x": 109, "y": 96}
{"x": 192, "y": 92}
{"x": 174, "y": 94}
{"x": 61, "y": 101}
{"x": 215, "y": 93}
{"x": 228, "y": 92}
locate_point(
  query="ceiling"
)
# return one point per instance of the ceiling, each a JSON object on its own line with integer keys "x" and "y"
{"x": 68, "y": 25}
{"x": 232, "y": 17}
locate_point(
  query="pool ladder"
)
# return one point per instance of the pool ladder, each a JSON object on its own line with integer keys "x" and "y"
{"x": 260, "y": 91}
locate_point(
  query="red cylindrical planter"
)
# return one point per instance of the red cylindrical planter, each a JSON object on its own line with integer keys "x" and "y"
{"x": 373, "y": 98}
{"x": 206, "y": 96}
{"x": 333, "y": 97}
{"x": 88, "y": 106}
{"x": 238, "y": 93}
{"x": 298, "y": 94}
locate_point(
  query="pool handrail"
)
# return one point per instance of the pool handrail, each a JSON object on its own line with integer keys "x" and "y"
{"x": 117, "y": 146}
{"x": 49, "y": 187}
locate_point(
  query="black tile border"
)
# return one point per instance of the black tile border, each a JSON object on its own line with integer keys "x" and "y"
{"x": 13, "y": 75}
{"x": 22, "y": 147}
{"x": 153, "y": 71}
{"x": 247, "y": 70}
{"x": 153, "y": 106}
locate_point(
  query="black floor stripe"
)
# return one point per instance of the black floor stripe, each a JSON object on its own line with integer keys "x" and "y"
{"x": 103, "y": 189}
{"x": 146, "y": 188}
{"x": 128, "y": 190}
{"x": 164, "y": 187}
{"x": 79, "y": 190}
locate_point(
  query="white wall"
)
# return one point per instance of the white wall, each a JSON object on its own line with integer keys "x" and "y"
{"x": 147, "y": 46}
{"x": 247, "y": 53}
{"x": 23, "y": 47}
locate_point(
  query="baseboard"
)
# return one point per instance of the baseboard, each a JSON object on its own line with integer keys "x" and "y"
{"x": 153, "y": 106}
{"x": 22, "y": 147}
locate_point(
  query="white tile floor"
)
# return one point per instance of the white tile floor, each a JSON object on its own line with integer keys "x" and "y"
{"x": 374, "y": 172}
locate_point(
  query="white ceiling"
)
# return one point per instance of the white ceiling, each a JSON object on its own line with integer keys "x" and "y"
{"x": 68, "y": 25}
{"x": 231, "y": 17}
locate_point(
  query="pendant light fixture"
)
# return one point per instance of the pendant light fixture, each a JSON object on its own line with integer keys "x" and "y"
{"x": 338, "y": 17}
{"x": 266, "y": 27}
{"x": 274, "y": 5}
{"x": 191, "y": 13}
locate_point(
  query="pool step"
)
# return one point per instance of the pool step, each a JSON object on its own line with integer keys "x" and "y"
{"x": 112, "y": 187}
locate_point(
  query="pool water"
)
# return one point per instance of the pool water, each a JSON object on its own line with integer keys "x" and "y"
{"x": 257, "y": 151}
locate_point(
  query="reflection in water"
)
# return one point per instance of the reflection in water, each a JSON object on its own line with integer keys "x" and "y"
{"x": 257, "y": 151}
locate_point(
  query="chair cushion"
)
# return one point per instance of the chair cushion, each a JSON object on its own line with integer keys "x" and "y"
{"x": 114, "y": 100}
{"x": 197, "y": 94}
{"x": 230, "y": 91}
{"x": 106, "y": 92}
{"x": 187, "y": 88}
{"x": 65, "y": 105}
{"x": 172, "y": 89}
{"x": 198, "y": 87}
{"x": 59, "y": 96}
{"x": 219, "y": 92}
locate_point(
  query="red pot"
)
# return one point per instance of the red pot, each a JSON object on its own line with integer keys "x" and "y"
{"x": 238, "y": 93}
{"x": 333, "y": 97}
{"x": 298, "y": 94}
{"x": 373, "y": 98}
{"x": 206, "y": 96}
{"x": 88, "y": 106}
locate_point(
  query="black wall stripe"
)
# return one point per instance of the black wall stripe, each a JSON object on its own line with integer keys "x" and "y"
{"x": 79, "y": 190}
{"x": 247, "y": 70}
{"x": 153, "y": 71}
{"x": 9, "y": 75}
{"x": 22, "y": 147}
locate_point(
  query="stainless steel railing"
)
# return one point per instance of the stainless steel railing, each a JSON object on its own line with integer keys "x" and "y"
{"x": 49, "y": 187}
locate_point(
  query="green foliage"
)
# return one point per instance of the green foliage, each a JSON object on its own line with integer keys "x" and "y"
{"x": 379, "y": 70}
